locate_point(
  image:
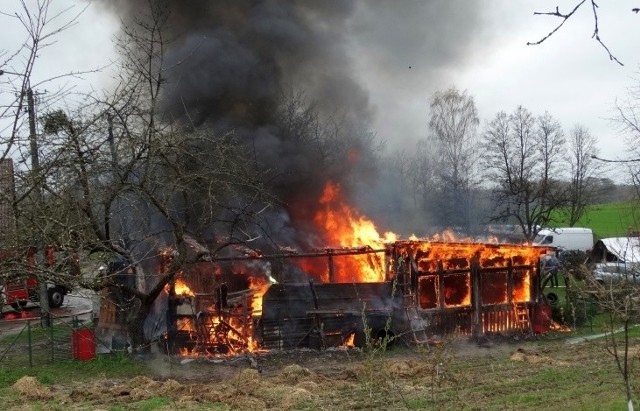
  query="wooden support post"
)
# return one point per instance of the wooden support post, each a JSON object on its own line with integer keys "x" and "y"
{"x": 476, "y": 298}
{"x": 510, "y": 281}
{"x": 331, "y": 269}
{"x": 440, "y": 285}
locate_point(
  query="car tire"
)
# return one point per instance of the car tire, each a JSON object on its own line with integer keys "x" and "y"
{"x": 56, "y": 297}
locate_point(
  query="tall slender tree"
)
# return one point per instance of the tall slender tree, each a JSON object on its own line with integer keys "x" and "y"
{"x": 453, "y": 123}
{"x": 584, "y": 188}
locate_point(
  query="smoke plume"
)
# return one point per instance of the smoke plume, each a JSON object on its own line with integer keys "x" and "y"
{"x": 254, "y": 67}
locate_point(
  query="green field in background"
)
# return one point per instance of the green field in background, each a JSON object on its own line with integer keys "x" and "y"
{"x": 609, "y": 220}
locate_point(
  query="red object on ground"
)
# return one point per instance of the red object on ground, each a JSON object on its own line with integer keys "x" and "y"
{"x": 10, "y": 316}
{"x": 541, "y": 321}
{"x": 83, "y": 344}
{"x": 18, "y": 315}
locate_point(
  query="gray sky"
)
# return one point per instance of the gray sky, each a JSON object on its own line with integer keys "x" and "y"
{"x": 569, "y": 75}
{"x": 403, "y": 52}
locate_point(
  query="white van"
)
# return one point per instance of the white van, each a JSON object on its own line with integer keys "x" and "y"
{"x": 569, "y": 238}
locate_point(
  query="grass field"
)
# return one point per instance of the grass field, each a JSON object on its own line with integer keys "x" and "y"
{"x": 609, "y": 220}
{"x": 511, "y": 373}
{"x": 528, "y": 374}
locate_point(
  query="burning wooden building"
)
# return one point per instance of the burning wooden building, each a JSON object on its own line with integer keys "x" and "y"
{"x": 412, "y": 290}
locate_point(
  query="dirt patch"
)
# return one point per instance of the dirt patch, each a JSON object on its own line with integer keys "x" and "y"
{"x": 535, "y": 358}
{"x": 292, "y": 374}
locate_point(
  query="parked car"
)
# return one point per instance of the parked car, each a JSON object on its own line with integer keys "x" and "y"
{"x": 612, "y": 273}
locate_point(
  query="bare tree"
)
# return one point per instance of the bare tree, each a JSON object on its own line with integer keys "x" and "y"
{"x": 618, "y": 300}
{"x": 584, "y": 186}
{"x": 551, "y": 151}
{"x": 628, "y": 117}
{"x": 20, "y": 139}
{"x": 628, "y": 120}
{"x": 421, "y": 174}
{"x": 520, "y": 153}
{"x": 126, "y": 184}
{"x": 454, "y": 122}
{"x": 17, "y": 68}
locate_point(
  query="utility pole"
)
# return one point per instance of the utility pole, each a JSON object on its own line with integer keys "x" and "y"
{"x": 45, "y": 314}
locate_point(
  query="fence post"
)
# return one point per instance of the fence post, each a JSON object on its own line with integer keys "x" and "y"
{"x": 29, "y": 340}
{"x": 51, "y": 335}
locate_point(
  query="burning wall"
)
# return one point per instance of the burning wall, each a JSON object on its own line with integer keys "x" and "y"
{"x": 472, "y": 288}
{"x": 442, "y": 271}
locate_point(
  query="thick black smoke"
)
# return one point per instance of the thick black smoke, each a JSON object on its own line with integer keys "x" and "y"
{"x": 234, "y": 65}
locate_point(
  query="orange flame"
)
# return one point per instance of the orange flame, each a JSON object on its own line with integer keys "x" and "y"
{"x": 182, "y": 289}
{"x": 343, "y": 225}
{"x": 220, "y": 329}
{"x": 350, "y": 341}
{"x": 259, "y": 286}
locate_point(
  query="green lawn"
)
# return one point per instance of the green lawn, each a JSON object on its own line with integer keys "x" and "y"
{"x": 609, "y": 220}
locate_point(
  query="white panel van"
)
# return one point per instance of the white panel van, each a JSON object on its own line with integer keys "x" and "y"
{"x": 569, "y": 238}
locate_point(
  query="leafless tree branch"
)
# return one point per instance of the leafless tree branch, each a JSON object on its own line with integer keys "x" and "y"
{"x": 566, "y": 16}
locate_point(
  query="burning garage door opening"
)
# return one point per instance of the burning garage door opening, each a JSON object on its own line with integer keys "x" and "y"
{"x": 410, "y": 290}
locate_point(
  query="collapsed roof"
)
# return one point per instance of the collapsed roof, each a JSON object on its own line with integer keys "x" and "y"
{"x": 623, "y": 249}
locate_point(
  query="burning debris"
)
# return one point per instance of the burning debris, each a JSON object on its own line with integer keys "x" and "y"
{"x": 426, "y": 288}
{"x": 210, "y": 324}
{"x": 371, "y": 288}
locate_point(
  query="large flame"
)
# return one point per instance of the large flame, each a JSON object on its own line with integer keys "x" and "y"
{"x": 343, "y": 226}
{"x": 456, "y": 260}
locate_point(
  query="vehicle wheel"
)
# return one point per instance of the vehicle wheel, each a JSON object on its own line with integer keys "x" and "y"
{"x": 552, "y": 298}
{"x": 56, "y": 297}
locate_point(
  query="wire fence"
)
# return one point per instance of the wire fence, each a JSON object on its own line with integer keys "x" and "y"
{"x": 35, "y": 344}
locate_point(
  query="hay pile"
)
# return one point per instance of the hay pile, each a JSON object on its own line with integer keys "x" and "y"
{"x": 32, "y": 389}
